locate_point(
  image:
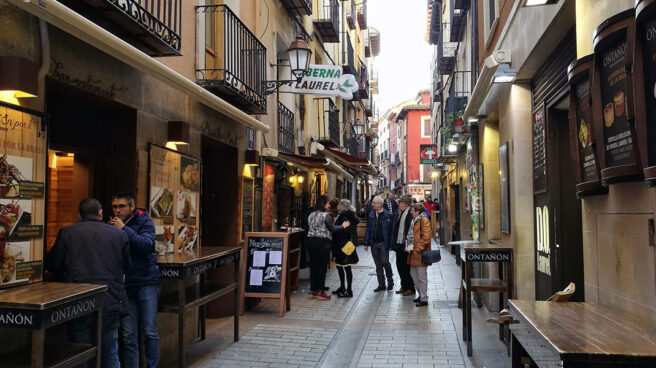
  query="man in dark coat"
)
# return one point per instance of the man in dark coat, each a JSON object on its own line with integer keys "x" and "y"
{"x": 379, "y": 237}
{"x": 96, "y": 253}
{"x": 142, "y": 282}
{"x": 399, "y": 235}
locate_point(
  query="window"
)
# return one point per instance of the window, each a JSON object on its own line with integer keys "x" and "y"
{"x": 425, "y": 126}
{"x": 490, "y": 19}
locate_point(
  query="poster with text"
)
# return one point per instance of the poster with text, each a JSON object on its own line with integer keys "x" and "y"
{"x": 23, "y": 164}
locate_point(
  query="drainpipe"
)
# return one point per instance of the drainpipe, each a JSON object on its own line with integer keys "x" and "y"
{"x": 45, "y": 57}
{"x": 71, "y": 22}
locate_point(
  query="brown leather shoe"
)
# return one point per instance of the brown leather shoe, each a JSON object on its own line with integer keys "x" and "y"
{"x": 399, "y": 291}
{"x": 408, "y": 293}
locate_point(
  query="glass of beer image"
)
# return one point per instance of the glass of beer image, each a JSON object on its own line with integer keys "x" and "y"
{"x": 619, "y": 103}
{"x": 609, "y": 117}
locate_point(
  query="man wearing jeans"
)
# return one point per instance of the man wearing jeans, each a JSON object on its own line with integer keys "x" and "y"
{"x": 95, "y": 253}
{"x": 379, "y": 237}
{"x": 142, "y": 282}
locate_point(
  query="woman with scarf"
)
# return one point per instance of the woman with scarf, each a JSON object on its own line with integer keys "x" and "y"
{"x": 419, "y": 240}
{"x": 344, "y": 261}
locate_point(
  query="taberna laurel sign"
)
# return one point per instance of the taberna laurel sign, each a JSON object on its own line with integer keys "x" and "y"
{"x": 326, "y": 80}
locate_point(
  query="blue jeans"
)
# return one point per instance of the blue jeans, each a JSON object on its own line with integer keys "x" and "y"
{"x": 80, "y": 331}
{"x": 142, "y": 318}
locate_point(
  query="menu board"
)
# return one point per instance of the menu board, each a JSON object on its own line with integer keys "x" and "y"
{"x": 539, "y": 151}
{"x": 584, "y": 133}
{"x": 247, "y": 206}
{"x": 174, "y": 199}
{"x": 618, "y": 142}
{"x": 263, "y": 268}
{"x": 647, "y": 32}
{"x": 23, "y": 162}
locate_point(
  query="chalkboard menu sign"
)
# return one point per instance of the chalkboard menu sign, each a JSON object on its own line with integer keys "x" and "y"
{"x": 247, "y": 206}
{"x": 645, "y": 86}
{"x": 612, "y": 100}
{"x": 580, "y": 128}
{"x": 263, "y": 271}
{"x": 539, "y": 151}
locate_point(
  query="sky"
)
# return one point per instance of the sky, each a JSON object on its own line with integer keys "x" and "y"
{"x": 404, "y": 61}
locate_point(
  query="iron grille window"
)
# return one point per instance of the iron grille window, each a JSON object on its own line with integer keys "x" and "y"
{"x": 285, "y": 129}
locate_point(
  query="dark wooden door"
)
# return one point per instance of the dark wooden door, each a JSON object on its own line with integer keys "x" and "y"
{"x": 558, "y": 228}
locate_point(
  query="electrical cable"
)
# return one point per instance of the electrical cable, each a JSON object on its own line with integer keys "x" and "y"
{"x": 267, "y": 23}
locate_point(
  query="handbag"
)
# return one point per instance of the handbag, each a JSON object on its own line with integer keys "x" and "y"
{"x": 348, "y": 248}
{"x": 431, "y": 256}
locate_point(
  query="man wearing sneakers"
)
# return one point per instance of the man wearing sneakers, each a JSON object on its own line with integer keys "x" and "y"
{"x": 379, "y": 237}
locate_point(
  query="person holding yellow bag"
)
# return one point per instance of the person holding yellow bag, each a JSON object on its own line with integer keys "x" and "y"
{"x": 344, "y": 248}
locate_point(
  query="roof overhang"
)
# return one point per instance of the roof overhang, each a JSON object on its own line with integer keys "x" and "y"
{"x": 308, "y": 163}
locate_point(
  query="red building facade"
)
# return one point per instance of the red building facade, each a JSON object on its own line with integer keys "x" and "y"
{"x": 415, "y": 123}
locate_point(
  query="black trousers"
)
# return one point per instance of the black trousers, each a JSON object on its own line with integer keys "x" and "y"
{"x": 319, "y": 249}
{"x": 403, "y": 268}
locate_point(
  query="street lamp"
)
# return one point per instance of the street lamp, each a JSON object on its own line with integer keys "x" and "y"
{"x": 299, "y": 54}
{"x": 374, "y": 140}
{"x": 359, "y": 128}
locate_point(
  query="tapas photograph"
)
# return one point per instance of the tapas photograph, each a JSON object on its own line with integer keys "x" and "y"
{"x": 164, "y": 239}
{"x": 161, "y": 202}
{"x": 13, "y": 170}
{"x": 13, "y": 214}
{"x": 186, "y": 206}
{"x": 189, "y": 175}
{"x": 187, "y": 236}
{"x": 11, "y": 254}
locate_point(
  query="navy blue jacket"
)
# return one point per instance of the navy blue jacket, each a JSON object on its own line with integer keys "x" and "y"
{"x": 144, "y": 270}
{"x": 96, "y": 253}
{"x": 387, "y": 221}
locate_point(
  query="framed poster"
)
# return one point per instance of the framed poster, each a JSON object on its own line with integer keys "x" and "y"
{"x": 23, "y": 165}
{"x": 174, "y": 199}
{"x": 539, "y": 150}
{"x": 247, "y": 193}
{"x": 504, "y": 190}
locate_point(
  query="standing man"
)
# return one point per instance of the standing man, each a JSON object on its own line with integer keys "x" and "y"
{"x": 430, "y": 206}
{"x": 390, "y": 204}
{"x": 94, "y": 252}
{"x": 142, "y": 282}
{"x": 399, "y": 235}
{"x": 379, "y": 237}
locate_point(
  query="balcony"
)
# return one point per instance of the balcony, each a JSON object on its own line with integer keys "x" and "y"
{"x": 446, "y": 52}
{"x": 285, "y": 129}
{"x": 326, "y": 20}
{"x": 328, "y": 120}
{"x": 351, "y": 143}
{"x": 232, "y": 61}
{"x": 298, "y": 7}
{"x": 458, "y": 23}
{"x": 367, "y": 46}
{"x": 153, "y": 27}
{"x": 368, "y": 107}
{"x": 348, "y": 57}
{"x": 461, "y": 4}
{"x": 362, "y": 15}
{"x": 363, "y": 82}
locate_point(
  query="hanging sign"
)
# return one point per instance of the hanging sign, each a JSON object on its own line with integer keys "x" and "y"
{"x": 427, "y": 154}
{"x": 326, "y": 80}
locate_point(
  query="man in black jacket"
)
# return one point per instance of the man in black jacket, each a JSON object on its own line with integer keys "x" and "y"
{"x": 96, "y": 253}
{"x": 400, "y": 230}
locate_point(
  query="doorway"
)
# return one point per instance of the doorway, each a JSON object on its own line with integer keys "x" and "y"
{"x": 92, "y": 153}
{"x": 559, "y": 238}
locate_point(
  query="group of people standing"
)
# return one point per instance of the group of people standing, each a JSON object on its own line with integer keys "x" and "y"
{"x": 121, "y": 254}
{"x": 405, "y": 229}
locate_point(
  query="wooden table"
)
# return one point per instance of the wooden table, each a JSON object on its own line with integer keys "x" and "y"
{"x": 478, "y": 252}
{"x": 458, "y": 243}
{"x": 41, "y": 305}
{"x": 181, "y": 266}
{"x": 580, "y": 335}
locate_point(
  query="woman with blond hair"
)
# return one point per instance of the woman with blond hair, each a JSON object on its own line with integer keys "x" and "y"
{"x": 419, "y": 240}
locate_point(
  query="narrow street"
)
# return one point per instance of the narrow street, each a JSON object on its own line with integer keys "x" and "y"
{"x": 369, "y": 330}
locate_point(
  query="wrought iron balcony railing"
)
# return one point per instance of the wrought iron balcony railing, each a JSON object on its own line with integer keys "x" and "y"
{"x": 446, "y": 52}
{"x": 326, "y": 20}
{"x": 285, "y": 129}
{"x": 368, "y": 105}
{"x": 363, "y": 81}
{"x": 458, "y": 23}
{"x": 434, "y": 28}
{"x": 353, "y": 146}
{"x": 328, "y": 118}
{"x": 230, "y": 61}
{"x": 154, "y": 27}
{"x": 298, "y": 7}
{"x": 348, "y": 56}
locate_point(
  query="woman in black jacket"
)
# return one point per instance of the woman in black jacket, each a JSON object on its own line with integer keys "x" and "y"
{"x": 344, "y": 261}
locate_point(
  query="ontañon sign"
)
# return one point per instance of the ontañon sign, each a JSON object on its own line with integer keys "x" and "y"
{"x": 326, "y": 80}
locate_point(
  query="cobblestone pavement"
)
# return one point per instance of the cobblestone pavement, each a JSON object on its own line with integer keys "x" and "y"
{"x": 369, "y": 330}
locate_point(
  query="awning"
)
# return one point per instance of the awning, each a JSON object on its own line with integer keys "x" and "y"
{"x": 484, "y": 83}
{"x": 310, "y": 162}
{"x": 356, "y": 163}
{"x": 73, "y": 23}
